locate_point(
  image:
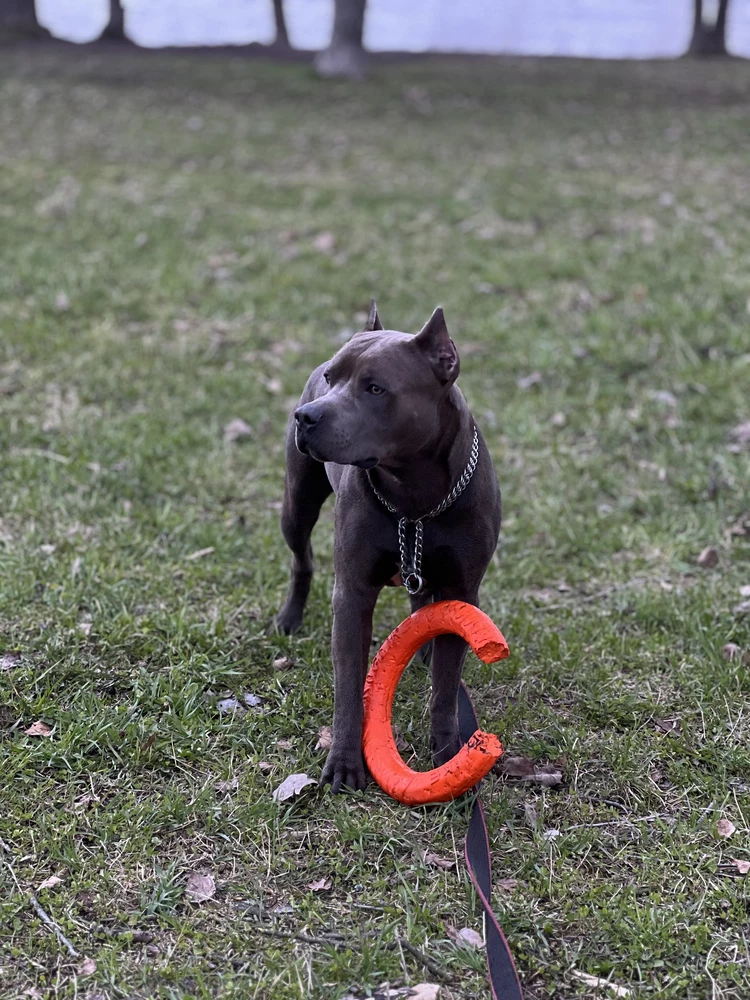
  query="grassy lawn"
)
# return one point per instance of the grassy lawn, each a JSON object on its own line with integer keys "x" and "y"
{"x": 182, "y": 238}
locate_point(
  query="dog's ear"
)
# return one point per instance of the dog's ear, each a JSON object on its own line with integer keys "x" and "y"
{"x": 373, "y": 320}
{"x": 434, "y": 340}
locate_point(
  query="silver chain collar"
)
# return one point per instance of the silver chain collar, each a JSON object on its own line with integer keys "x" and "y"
{"x": 411, "y": 574}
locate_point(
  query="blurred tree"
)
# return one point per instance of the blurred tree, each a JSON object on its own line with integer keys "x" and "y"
{"x": 114, "y": 29}
{"x": 282, "y": 35}
{"x": 345, "y": 55}
{"x": 18, "y": 18}
{"x": 709, "y": 39}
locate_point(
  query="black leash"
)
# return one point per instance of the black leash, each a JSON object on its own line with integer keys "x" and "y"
{"x": 504, "y": 980}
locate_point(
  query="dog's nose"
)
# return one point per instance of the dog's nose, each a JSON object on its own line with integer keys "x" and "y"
{"x": 309, "y": 415}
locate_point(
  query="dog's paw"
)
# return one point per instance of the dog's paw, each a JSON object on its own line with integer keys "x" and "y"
{"x": 344, "y": 768}
{"x": 287, "y": 622}
{"x": 444, "y": 746}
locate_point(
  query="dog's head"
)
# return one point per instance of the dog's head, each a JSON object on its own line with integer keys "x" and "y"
{"x": 383, "y": 395}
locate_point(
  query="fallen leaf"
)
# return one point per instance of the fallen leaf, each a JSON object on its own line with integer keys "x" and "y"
{"x": 467, "y": 937}
{"x": 619, "y": 991}
{"x": 237, "y": 429}
{"x": 525, "y": 769}
{"x": 291, "y": 786}
{"x": 275, "y": 386}
{"x": 708, "y": 558}
{"x": 434, "y": 859}
{"x": 325, "y": 738}
{"x": 424, "y": 991}
{"x": 741, "y": 527}
{"x": 725, "y": 828}
{"x": 745, "y": 591}
{"x": 667, "y": 726}
{"x": 551, "y": 834}
{"x": 39, "y": 729}
{"x": 82, "y": 803}
{"x": 232, "y": 704}
{"x": 558, "y": 419}
{"x": 742, "y": 866}
{"x": 251, "y": 700}
{"x": 530, "y": 815}
{"x": 9, "y": 660}
{"x": 264, "y": 766}
{"x": 664, "y": 396}
{"x": 322, "y": 885}
{"x": 85, "y": 627}
{"x": 87, "y": 967}
{"x": 742, "y": 609}
{"x": 741, "y": 433}
{"x": 527, "y": 381}
{"x": 731, "y": 651}
{"x": 508, "y": 884}
{"x": 49, "y": 883}
{"x": 62, "y": 302}
{"x": 33, "y": 992}
{"x": 230, "y": 785}
{"x": 200, "y": 888}
{"x": 200, "y": 553}
{"x": 285, "y": 744}
{"x": 142, "y": 937}
{"x": 325, "y": 242}
{"x": 283, "y": 663}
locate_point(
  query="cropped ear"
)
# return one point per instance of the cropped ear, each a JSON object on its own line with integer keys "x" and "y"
{"x": 373, "y": 320}
{"x": 433, "y": 339}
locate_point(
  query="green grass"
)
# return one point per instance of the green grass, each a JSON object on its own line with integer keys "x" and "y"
{"x": 588, "y": 222}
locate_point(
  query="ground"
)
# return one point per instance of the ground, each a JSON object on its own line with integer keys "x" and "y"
{"x": 183, "y": 238}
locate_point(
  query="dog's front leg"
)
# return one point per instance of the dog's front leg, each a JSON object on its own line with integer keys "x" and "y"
{"x": 448, "y": 655}
{"x": 353, "y": 606}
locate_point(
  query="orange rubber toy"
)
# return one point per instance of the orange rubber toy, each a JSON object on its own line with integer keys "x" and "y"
{"x": 475, "y": 758}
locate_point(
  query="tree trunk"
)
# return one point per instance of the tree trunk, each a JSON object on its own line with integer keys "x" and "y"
{"x": 345, "y": 55}
{"x": 18, "y": 20}
{"x": 282, "y": 35}
{"x": 114, "y": 30}
{"x": 709, "y": 39}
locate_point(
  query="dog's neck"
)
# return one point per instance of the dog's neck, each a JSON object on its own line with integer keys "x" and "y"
{"x": 418, "y": 484}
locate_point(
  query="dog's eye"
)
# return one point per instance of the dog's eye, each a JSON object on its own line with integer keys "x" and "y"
{"x": 327, "y": 377}
{"x": 376, "y": 390}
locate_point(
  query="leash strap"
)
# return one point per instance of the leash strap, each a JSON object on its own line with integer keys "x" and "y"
{"x": 504, "y": 980}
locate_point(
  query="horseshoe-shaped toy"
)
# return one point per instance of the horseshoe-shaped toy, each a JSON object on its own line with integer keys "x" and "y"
{"x": 477, "y": 756}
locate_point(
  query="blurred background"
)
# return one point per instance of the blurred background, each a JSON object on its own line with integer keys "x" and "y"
{"x": 614, "y": 29}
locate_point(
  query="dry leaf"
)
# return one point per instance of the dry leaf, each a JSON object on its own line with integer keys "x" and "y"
{"x": 508, "y": 884}
{"x": 264, "y": 765}
{"x": 200, "y": 888}
{"x": 322, "y": 885}
{"x": 467, "y": 937}
{"x": 741, "y": 433}
{"x": 285, "y": 744}
{"x": 251, "y": 700}
{"x": 526, "y": 770}
{"x": 664, "y": 396}
{"x": 745, "y": 591}
{"x": 38, "y": 729}
{"x": 558, "y": 419}
{"x": 433, "y": 859}
{"x": 742, "y": 609}
{"x": 667, "y": 726}
{"x": 236, "y": 429}
{"x": 275, "y": 386}
{"x": 87, "y": 967}
{"x": 743, "y": 867}
{"x": 530, "y": 815}
{"x": 325, "y": 738}
{"x": 9, "y": 660}
{"x": 527, "y": 381}
{"x": 231, "y": 785}
{"x": 49, "y": 883}
{"x": 424, "y": 991}
{"x": 325, "y": 242}
{"x": 731, "y": 651}
{"x": 708, "y": 558}
{"x": 725, "y": 828}
{"x": 200, "y": 553}
{"x": 62, "y": 302}
{"x": 283, "y": 663}
{"x": 292, "y": 786}
{"x": 618, "y": 991}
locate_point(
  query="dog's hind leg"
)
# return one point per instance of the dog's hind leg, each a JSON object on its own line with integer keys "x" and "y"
{"x": 306, "y": 487}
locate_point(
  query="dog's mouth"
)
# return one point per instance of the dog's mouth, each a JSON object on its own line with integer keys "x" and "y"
{"x": 366, "y": 463}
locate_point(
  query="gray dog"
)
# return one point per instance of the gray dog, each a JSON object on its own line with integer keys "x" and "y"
{"x": 384, "y": 426}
